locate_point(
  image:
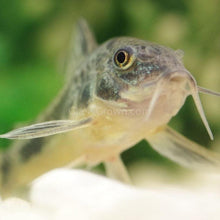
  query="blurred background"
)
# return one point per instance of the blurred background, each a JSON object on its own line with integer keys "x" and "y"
{"x": 34, "y": 36}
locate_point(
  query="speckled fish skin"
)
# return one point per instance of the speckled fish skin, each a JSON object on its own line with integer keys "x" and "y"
{"x": 116, "y": 100}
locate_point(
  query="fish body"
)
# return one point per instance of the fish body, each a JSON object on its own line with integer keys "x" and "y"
{"x": 116, "y": 94}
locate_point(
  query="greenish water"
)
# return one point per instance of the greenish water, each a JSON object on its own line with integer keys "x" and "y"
{"x": 34, "y": 36}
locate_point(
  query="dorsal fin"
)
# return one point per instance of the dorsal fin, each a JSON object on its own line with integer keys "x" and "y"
{"x": 85, "y": 40}
{"x": 82, "y": 43}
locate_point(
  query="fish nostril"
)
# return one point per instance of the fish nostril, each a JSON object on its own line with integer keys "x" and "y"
{"x": 143, "y": 56}
{"x": 177, "y": 79}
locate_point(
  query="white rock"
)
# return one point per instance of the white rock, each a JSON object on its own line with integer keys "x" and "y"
{"x": 74, "y": 194}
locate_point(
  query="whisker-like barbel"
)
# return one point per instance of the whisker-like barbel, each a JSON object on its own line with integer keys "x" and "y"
{"x": 158, "y": 89}
{"x": 197, "y": 101}
{"x": 208, "y": 91}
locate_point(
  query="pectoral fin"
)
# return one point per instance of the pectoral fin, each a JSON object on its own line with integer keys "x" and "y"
{"x": 45, "y": 129}
{"x": 183, "y": 151}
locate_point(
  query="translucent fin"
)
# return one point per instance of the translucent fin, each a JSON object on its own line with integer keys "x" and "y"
{"x": 183, "y": 151}
{"x": 82, "y": 43}
{"x": 85, "y": 40}
{"x": 208, "y": 91}
{"x": 45, "y": 129}
{"x": 116, "y": 169}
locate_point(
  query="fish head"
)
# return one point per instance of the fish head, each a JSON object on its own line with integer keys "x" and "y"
{"x": 145, "y": 75}
{"x": 133, "y": 65}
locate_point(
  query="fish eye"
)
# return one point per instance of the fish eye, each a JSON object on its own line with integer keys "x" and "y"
{"x": 123, "y": 59}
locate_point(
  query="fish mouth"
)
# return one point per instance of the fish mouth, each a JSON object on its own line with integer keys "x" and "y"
{"x": 171, "y": 76}
{"x": 191, "y": 88}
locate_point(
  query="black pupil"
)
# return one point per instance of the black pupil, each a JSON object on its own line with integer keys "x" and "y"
{"x": 121, "y": 57}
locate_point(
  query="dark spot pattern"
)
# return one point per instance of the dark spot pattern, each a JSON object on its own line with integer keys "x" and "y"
{"x": 140, "y": 71}
{"x": 31, "y": 148}
{"x": 5, "y": 168}
{"x": 107, "y": 88}
{"x": 59, "y": 110}
{"x": 155, "y": 49}
{"x": 84, "y": 97}
{"x": 75, "y": 92}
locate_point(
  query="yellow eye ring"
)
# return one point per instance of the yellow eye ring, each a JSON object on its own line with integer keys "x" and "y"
{"x": 123, "y": 59}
